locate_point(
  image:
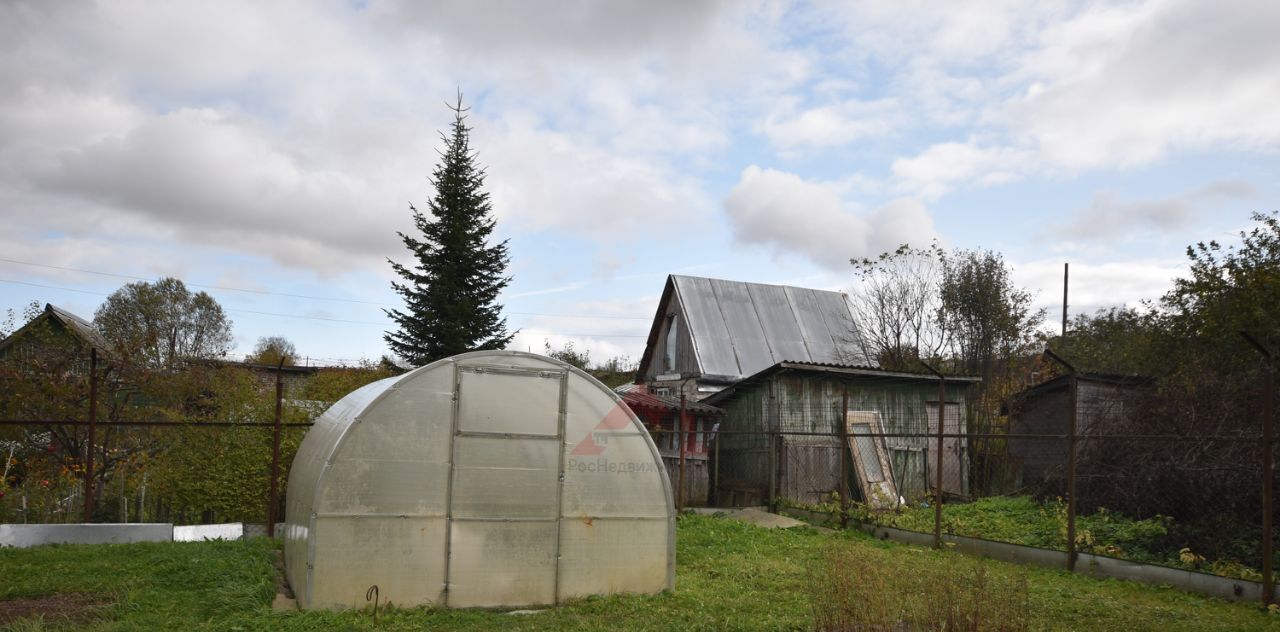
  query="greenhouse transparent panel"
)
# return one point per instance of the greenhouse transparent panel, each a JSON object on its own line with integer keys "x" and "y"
{"x": 505, "y": 478}
{"x": 610, "y": 465}
{"x": 384, "y": 487}
{"x": 456, "y": 476}
{"x": 518, "y": 403}
{"x": 613, "y": 556}
{"x": 502, "y": 563}
{"x": 304, "y": 476}
{"x": 623, "y": 480}
{"x": 404, "y": 557}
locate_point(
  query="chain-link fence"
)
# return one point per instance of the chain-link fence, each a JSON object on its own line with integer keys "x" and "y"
{"x": 1108, "y": 465}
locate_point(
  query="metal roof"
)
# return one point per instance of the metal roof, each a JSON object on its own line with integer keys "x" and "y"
{"x": 739, "y": 328}
{"x": 638, "y": 396}
{"x": 850, "y": 370}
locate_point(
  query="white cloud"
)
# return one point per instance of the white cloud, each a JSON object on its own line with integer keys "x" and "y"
{"x": 1095, "y": 286}
{"x": 833, "y": 124}
{"x": 943, "y": 166}
{"x": 541, "y": 179}
{"x": 1110, "y": 218}
{"x": 1060, "y": 90}
{"x": 791, "y": 215}
{"x": 1128, "y": 85}
{"x": 299, "y": 132}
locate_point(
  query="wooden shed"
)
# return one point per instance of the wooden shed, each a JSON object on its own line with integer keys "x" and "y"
{"x": 806, "y": 400}
{"x": 1101, "y": 401}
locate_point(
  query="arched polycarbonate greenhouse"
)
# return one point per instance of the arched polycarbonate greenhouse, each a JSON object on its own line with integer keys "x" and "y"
{"x": 491, "y": 478}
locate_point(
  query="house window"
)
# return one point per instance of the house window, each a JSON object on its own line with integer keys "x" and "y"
{"x": 664, "y": 391}
{"x": 669, "y": 346}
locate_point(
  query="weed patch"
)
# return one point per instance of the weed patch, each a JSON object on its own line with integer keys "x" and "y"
{"x": 864, "y": 588}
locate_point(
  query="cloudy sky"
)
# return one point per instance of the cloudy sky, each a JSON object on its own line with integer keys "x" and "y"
{"x": 267, "y": 152}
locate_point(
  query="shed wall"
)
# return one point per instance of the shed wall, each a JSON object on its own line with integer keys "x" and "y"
{"x": 807, "y": 403}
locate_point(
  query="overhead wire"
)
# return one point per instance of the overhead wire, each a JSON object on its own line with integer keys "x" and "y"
{"x": 274, "y": 293}
{"x": 342, "y": 320}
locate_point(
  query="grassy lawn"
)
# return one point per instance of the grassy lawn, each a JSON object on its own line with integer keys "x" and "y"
{"x": 730, "y": 576}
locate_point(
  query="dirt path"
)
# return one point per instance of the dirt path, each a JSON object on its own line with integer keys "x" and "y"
{"x": 756, "y": 516}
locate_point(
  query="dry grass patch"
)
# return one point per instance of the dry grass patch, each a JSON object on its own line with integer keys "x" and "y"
{"x": 871, "y": 590}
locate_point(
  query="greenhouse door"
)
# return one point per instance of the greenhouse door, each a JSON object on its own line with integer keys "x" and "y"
{"x": 504, "y": 487}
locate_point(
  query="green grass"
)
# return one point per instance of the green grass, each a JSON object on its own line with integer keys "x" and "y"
{"x": 730, "y": 576}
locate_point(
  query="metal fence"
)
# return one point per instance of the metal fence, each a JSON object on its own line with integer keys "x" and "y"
{"x": 1084, "y": 461}
{"x": 94, "y": 436}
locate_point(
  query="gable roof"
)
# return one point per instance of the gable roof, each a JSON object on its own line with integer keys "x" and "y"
{"x": 77, "y": 326}
{"x": 739, "y": 329}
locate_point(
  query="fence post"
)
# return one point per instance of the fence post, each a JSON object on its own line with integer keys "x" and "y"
{"x": 1072, "y": 397}
{"x": 684, "y": 428}
{"x": 93, "y": 427}
{"x": 1268, "y": 468}
{"x": 715, "y": 472}
{"x": 937, "y": 466}
{"x": 844, "y": 457}
{"x": 274, "y": 495}
{"x": 771, "y": 462}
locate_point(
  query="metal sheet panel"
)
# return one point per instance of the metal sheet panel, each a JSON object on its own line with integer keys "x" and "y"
{"x": 834, "y": 308}
{"x": 711, "y": 339}
{"x": 743, "y": 324}
{"x": 808, "y": 311}
{"x": 778, "y": 320}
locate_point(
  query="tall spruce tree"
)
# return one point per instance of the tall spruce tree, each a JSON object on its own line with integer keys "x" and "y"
{"x": 451, "y": 293}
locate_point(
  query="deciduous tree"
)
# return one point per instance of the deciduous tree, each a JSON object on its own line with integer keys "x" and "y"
{"x": 895, "y": 306}
{"x": 161, "y": 324}
{"x": 271, "y": 350}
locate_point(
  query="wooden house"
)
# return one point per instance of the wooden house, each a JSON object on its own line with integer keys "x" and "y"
{"x": 661, "y": 415}
{"x": 59, "y": 335}
{"x": 710, "y": 333}
{"x": 778, "y": 360}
